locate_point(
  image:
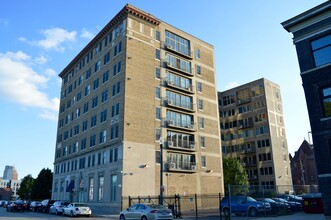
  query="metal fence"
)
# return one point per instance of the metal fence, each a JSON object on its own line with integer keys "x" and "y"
{"x": 207, "y": 205}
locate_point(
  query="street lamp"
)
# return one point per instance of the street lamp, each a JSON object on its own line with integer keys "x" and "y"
{"x": 161, "y": 170}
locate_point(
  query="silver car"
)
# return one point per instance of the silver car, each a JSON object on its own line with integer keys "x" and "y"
{"x": 77, "y": 209}
{"x": 146, "y": 212}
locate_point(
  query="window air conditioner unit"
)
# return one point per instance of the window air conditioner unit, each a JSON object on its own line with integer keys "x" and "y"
{"x": 171, "y": 122}
{"x": 192, "y": 146}
{"x": 193, "y": 167}
{"x": 168, "y": 46}
{"x": 170, "y": 102}
{"x": 168, "y": 64}
{"x": 170, "y": 143}
{"x": 243, "y": 164}
{"x": 172, "y": 165}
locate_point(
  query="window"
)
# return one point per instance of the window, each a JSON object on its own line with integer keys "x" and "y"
{"x": 177, "y": 43}
{"x": 199, "y": 87}
{"x": 157, "y": 134}
{"x": 106, "y": 58}
{"x": 90, "y": 192}
{"x": 88, "y": 73}
{"x": 197, "y": 53}
{"x": 198, "y": 69}
{"x": 95, "y": 102}
{"x": 200, "y": 104}
{"x": 141, "y": 27}
{"x": 322, "y": 50}
{"x": 202, "y": 141}
{"x": 103, "y": 137}
{"x": 178, "y": 63}
{"x": 84, "y": 126}
{"x": 96, "y": 84}
{"x": 326, "y": 98}
{"x": 97, "y": 66}
{"x": 104, "y": 96}
{"x": 101, "y": 185}
{"x": 203, "y": 161}
{"x": 92, "y": 140}
{"x": 157, "y": 92}
{"x": 201, "y": 123}
{"x": 86, "y": 107}
{"x": 157, "y": 54}
{"x": 93, "y": 121}
{"x": 157, "y": 35}
{"x": 103, "y": 116}
{"x": 113, "y": 187}
{"x": 79, "y": 96}
{"x": 105, "y": 76}
{"x": 87, "y": 90}
{"x": 157, "y": 73}
{"x": 158, "y": 113}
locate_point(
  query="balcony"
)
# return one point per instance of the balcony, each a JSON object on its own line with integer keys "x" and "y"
{"x": 182, "y": 145}
{"x": 182, "y": 166}
{"x": 178, "y": 68}
{"x": 253, "y": 177}
{"x": 189, "y": 126}
{"x": 243, "y": 101}
{"x": 248, "y": 150}
{"x": 172, "y": 49}
{"x": 172, "y": 84}
{"x": 249, "y": 164}
{"x": 178, "y": 105}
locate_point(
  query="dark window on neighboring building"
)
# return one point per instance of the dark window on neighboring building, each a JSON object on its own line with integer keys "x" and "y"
{"x": 326, "y": 97}
{"x": 322, "y": 50}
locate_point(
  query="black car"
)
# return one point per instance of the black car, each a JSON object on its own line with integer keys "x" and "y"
{"x": 35, "y": 206}
{"x": 295, "y": 206}
{"x": 16, "y": 206}
{"x": 275, "y": 205}
{"x": 46, "y": 204}
{"x": 291, "y": 198}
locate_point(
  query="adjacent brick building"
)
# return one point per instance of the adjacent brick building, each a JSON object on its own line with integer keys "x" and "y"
{"x": 312, "y": 39}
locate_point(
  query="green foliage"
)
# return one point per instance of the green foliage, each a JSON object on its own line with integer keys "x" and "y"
{"x": 26, "y": 187}
{"x": 235, "y": 175}
{"x": 43, "y": 185}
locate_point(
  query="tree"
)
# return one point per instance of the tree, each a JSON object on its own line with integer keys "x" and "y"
{"x": 235, "y": 175}
{"x": 26, "y": 186}
{"x": 43, "y": 185}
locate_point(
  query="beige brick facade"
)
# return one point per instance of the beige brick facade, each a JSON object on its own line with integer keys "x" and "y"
{"x": 253, "y": 131}
{"x": 121, "y": 156}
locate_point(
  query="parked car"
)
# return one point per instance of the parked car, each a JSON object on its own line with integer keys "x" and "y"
{"x": 2, "y": 202}
{"x": 17, "y": 206}
{"x": 294, "y": 205}
{"x": 35, "y": 206}
{"x": 77, "y": 209}
{"x": 146, "y": 212}
{"x": 276, "y": 206}
{"x": 291, "y": 198}
{"x": 46, "y": 204}
{"x": 243, "y": 205}
{"x": 57, "y": 207}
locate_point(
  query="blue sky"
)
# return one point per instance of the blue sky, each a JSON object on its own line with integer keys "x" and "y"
{"x": 39, "y": 38}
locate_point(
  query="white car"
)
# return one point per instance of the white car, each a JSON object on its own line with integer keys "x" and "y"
{"x": 146, "y": 212}
{"x": 77, "y": 209}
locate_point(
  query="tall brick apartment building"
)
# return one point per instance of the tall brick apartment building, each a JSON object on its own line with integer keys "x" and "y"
{"x": 139, "y": 80}
{"x": 253, "y": 131}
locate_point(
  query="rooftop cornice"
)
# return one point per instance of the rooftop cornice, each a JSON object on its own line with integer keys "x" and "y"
{"x": 127, "y": 9}
{"x": 307, "y": 17}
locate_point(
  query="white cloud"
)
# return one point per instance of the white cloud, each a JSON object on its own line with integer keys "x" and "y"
{"x": 55, "y": 37}
{"x": 231, "y": 85}
{"x": 49, "y": 115}
{"x": 41, "y": 60}
{"x": 86, "y": 34}
{"x": 21, "y": 84}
